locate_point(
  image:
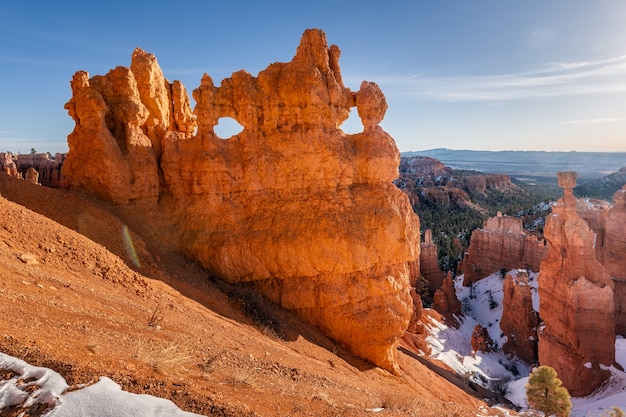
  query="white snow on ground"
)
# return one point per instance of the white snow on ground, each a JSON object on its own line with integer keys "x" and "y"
{"x": 29, "y": 385}
{"x": 612, "y": 394}
{"x": 482, "y": 305}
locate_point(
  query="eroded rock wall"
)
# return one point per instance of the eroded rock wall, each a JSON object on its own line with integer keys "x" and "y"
{"x": 445, "y": 300}
{"x": 520, "y": 321}
{"x": 577, "y": 305}
{"x": 615, "y": 255}
{"x": 501, "y": 244}
{"x": 48, "y": 169}
{"x": 429, "y": 263}
{"x": 306, "y": 212}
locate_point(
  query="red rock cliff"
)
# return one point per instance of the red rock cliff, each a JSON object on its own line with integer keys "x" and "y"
{"x": 576, "y": 300}
{"x": 429, "y": 262}
{"x": 306, "y": 212}
{"x": 519, "y": 320}
{"x": 501, "y": 244}
{"x": 615, "y": 255}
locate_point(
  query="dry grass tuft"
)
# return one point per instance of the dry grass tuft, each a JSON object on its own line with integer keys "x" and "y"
{"x": 167, "y": 361}
{"x": 242, "y": 378}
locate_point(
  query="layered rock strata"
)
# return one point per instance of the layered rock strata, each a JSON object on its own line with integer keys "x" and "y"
{"x": 292, "y": 204}
{"x": 48, "y": 169}
{"x": 576, "y": 300}
{"x": 502, "y": 243}
{"x": 615, "y": 255}
{"x": 519, "y": 320}
{"x": 429, "y": 262}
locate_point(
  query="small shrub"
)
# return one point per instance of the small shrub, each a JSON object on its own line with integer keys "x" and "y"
{"x": 614, "y": 412}
{"x": 546, "y": 393}
{"x": 156, "y": 317}
{"x": 493, "y": 304}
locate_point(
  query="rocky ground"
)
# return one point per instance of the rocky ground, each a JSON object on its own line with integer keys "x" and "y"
{"x": 89, "y": 294}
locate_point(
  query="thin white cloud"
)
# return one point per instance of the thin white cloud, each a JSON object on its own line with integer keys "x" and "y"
{"x": 607, "y": 75}
{"x": 597, "y": 121}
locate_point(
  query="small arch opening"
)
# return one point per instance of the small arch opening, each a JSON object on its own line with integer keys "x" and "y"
{"x": 352, "y": 124}
{"x": 227, "y": 127}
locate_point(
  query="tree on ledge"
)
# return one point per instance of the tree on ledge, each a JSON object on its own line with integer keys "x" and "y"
{"x": 545, "y": 393}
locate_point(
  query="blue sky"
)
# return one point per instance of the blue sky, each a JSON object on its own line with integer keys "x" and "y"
{"x": 464, "y": 74}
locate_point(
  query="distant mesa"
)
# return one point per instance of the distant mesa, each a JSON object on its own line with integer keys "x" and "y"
{"x": 291, "y": 204}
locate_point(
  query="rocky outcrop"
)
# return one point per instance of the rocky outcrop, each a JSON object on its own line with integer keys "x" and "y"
{"x": 519, "y": 321}
{"x": 481, "y": 341}
{"x": 48, "y": 169}
{"x": 415, "y": 325}
{"x": 32, "y": 176}
{"x": 306, "y": 213}
{"x": 479, "y": 184}
{"x": 577, "y": 307}
{"x": 445, "y": 300}
{"x": 422, "y": 167}
{"x": 595, "y": 213}
{"x": 446, "y": 196}
{"x": 429, "y": 263}
{"x": 7, "y": 163}
{"x": 615, "y": 255}
{"x": 502, "y": 243}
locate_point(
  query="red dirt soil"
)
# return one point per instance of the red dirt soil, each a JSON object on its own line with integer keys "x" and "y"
{"x": 75, "y": 298}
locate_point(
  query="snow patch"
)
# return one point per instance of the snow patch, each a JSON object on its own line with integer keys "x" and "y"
{"x": 31, "y": 385}
{"x": 497, "y": 371}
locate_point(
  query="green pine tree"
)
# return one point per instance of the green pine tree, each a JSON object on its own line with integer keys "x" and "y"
{"x": 545, "y": 393}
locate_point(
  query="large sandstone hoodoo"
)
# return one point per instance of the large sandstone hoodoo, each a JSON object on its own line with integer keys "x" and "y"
{"x": 501, "y": 244}
{"x": 576, "y": 300}
{"x": 306, "y": 212}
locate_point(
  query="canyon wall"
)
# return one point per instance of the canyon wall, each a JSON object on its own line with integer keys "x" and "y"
{"x": 292, "y": 204}
{"x": 608, "y": 223}
{"x": 501, "y": 244}
{"x": 577, "y": 305}
{"x": 48, "y": 169}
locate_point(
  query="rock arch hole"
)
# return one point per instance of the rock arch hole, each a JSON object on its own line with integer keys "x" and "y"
{"x": 227, "y": 127}
{"x": 353, "y": 123}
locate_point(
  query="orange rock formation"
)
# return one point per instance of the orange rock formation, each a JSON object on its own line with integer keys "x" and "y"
{"x": 615, "y": 255}
{"x": 519, "y": 321}
{"x": 501, "y": 244}
{"x": 481, "y": 341}
{"x": 608, "y": 222}
{"x": 306, "y": 212}
{"x": 445, "y": 300}
{"x": 576, "y": 300}
{"x": 429, "y": 262}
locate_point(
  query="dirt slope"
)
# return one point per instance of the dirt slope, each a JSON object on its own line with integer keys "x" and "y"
{"x": 71, "y": 302}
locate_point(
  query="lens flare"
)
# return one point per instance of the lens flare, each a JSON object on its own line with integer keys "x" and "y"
{"x": 130, "y": 247}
